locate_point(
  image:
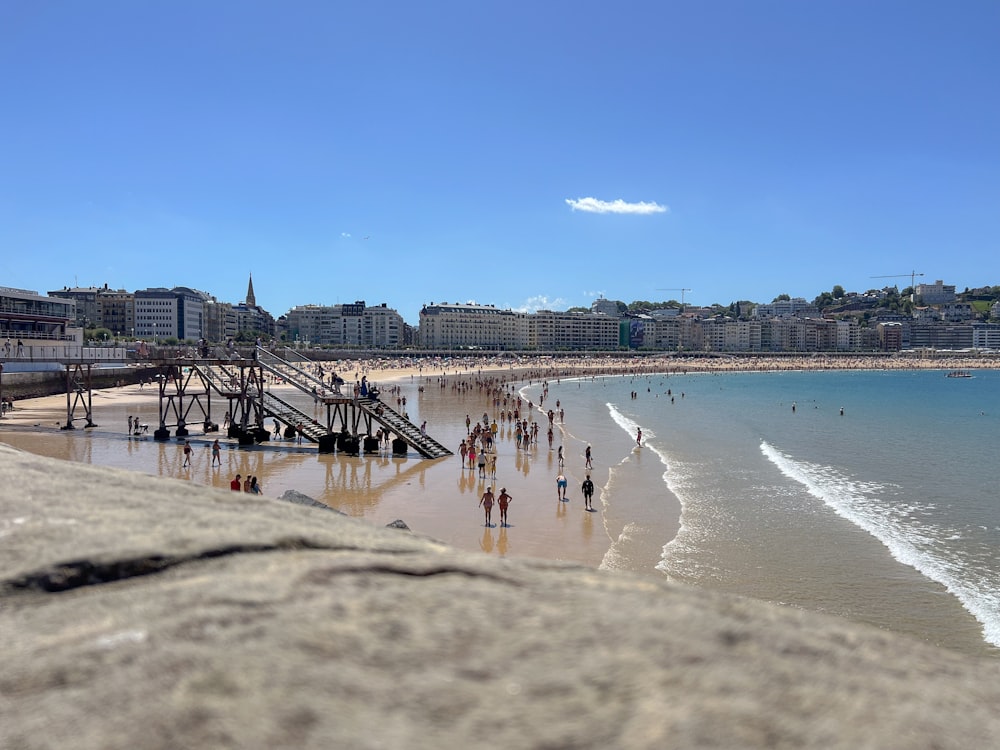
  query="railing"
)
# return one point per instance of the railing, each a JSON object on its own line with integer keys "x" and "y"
{"x": 32, "y": 352}
{"x": 14, "y": 334}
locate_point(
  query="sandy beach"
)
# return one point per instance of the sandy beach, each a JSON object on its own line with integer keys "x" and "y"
{"x": 437, "y": 498}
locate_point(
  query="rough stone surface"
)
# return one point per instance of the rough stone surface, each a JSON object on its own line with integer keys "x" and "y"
{"x": 149, "y": 613}
{"x": 294, "y": 496}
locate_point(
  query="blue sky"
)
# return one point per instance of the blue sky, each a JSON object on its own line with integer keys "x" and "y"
{"x": 520, "y": 154}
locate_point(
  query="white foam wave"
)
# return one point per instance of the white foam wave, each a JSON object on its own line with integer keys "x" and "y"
{"x": 898, "y": 526}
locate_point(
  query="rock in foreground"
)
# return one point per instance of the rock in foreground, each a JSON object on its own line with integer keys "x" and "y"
{"x": 139, "y": 613}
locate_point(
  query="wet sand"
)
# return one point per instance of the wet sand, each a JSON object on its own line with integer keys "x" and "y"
{"x": 437, "y": 498}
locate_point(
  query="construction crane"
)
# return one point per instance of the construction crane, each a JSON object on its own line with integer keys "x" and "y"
{"x": 675, "y": 289}
{"x": 912, "y": 274}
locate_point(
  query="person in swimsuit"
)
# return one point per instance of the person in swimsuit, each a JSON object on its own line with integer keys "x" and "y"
{"x": 216, "y": 457}
{"x": 561, "y": 487}
{"x": 588, "y": 493}
{"x": 487, "y": 503}
{"x": 503, "y": 501}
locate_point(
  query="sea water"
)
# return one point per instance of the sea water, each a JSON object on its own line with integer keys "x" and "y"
{"x": 871, "y": 495}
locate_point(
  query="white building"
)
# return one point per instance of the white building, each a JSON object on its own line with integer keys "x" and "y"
{"x": 156, "y": 314}
{"x": 450, "y": 326}
{"x": 353, "y": 325}
{"x": 785, "y": 309}
{"x": 937, "y": 293}
{"x": 605, "y": 307}
{"x": 986, "y": 336}
{"x": 575, "y": 330}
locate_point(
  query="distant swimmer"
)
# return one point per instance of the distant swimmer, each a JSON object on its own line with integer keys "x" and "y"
{"x": 841, "y": 411}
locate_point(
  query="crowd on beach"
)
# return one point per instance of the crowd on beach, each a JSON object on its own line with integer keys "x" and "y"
{"x": 515, "y": 417}
{"x": 495, "y": 379}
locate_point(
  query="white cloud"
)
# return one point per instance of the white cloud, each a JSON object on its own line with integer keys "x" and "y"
{"x": 345, "y": 235}
{"x": 595, "y": 206}
{"x": 541, "y": 302}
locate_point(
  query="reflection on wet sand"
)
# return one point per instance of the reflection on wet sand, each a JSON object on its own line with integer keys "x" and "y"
{"x": 380, "y": 487}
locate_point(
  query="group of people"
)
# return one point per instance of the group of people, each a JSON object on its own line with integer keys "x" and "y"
{"x": 239, "y": 484}
{"x": 189, "y": 452}
{"x": 8, "y": 348}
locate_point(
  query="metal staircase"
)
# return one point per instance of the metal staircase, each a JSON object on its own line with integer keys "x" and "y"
{"x": 297, "y": 375}
{"x": 425, "y": 445}
{"x": 222, "y": 380}
{"x": 311, "y": 429}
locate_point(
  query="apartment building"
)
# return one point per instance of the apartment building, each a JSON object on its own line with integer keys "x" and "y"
{"x": 986, "y": 336}
{"x": 116, "y": 311}
{"x": 353, "y": 324}
{"x": 575, "y": 330}
{"x": 86, "y": 303}
{"x": 451, "y": 326}
{"x": 156, "y": 314}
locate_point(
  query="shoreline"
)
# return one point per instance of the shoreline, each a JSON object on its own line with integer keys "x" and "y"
{"x": 435, "y": 498}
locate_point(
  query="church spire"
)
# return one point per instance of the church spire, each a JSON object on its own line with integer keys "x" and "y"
{"x": 251, "y": 299}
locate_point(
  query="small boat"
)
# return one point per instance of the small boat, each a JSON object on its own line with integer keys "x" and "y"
{"x": 959, "y": 374}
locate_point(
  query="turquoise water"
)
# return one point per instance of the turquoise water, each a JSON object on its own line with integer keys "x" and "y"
{"x": 887, "y": 513}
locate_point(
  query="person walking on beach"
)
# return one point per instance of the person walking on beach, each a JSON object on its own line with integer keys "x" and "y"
{"x": 638, "y": 437}
{"x": 562, "y": 462}
{"x": 561, "y": 486}
{"x": 129, "y": 424}
{"x": 589, "y": 462}
{"x": 463, "y": 451}
{"x": 482, "y": 464}
{"x": 236, "y": 485}
{"x": 472, "y": 456}
{"x": 254, "y": 487}
{"x": 187, "y": 453}
{"x": 246, "y": 484}
{"x": 216, "y": 453}
{"x": 487, "y": 503}
{"x": 588, "y": 493}
{"x": 503, "y": 501}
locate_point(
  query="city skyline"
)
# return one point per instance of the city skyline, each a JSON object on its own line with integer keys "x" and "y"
{"x": 916, "y": 282}
{"x": 531, "y": 156}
